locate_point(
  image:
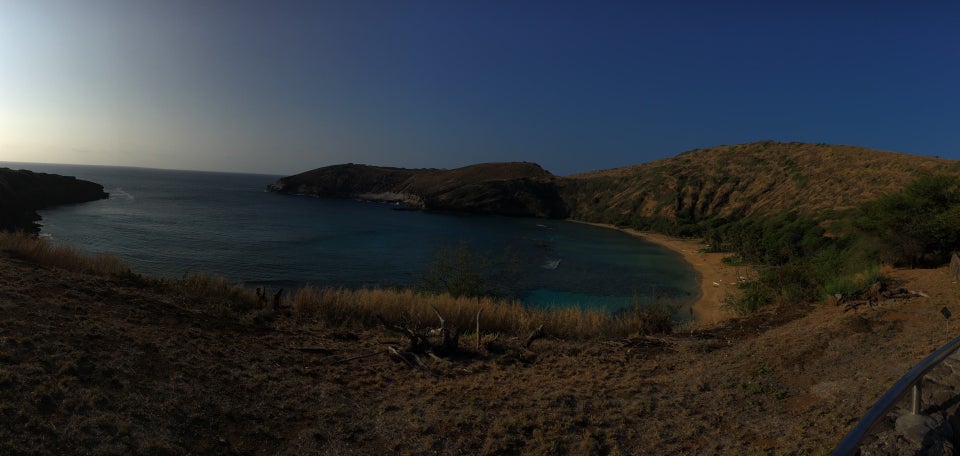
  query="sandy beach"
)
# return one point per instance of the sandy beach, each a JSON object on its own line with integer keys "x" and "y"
{"x": 717, "y": 280}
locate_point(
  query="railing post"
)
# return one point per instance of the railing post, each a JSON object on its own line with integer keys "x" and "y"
{"x": 917, "y": 389}
{"x": 913, "y": 380}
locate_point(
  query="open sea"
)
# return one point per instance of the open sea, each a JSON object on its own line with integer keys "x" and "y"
{"x": 170, "y": 223}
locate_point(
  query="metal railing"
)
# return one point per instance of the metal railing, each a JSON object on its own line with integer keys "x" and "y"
{"x": 910, "y": 382}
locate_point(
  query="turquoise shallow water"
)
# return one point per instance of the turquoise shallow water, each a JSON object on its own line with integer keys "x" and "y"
{"x": 170, "y": 223}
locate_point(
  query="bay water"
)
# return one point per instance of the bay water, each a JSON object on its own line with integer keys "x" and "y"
{"x": 171, "y": 223}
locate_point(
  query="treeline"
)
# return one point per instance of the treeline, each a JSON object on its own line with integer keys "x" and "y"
{"x": 805, "y": 258}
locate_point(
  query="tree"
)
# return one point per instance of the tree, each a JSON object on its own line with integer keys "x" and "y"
{"x": 919, "y": 225}
{"x": 462, "y": 272}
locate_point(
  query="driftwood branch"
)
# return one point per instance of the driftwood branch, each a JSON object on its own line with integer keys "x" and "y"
{"x": 410, "y": 358}
{"x": 420, "y": 341}
{"x": 417, "y": 342}
{"x": 875, "y": 297}
{"x": 276, "y": 299}
{"x": 479, "y": 311}
{"x": 320, "y": 350}
{"x": 261, "y": 296}
{"x": 536, "y": 334}
{"x": 443, "y": 324}
{"x": 368, "y": 355}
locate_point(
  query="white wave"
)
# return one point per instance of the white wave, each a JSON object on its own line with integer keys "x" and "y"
{"x": 551, "y": 263}
{"x": 122, "y": 193}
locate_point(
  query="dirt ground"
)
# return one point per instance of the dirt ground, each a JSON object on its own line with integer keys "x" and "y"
{"x": 108, "y": 366}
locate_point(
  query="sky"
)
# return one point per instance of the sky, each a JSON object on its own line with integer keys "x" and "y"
{"x": 283, "y": 86}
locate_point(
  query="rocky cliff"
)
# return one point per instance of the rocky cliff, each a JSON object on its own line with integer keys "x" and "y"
{"x": 513, "y": 189}
{"x": 23, "y": 192}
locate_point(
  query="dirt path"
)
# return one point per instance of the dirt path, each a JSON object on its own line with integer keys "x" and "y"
{"x": 717, "y": 281}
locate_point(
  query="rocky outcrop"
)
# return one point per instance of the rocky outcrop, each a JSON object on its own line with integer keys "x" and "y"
{"x": 24, "y": 192}
{"x": 512, "y": 189}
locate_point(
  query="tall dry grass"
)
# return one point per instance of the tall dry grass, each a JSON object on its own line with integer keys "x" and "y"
{"x": 216, "y": 293}
{"x": 337, "y": 306}
{"x": 44, "y": 252}
{"x": 343, "y": 307}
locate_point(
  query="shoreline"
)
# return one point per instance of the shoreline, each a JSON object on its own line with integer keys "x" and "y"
{"x": 715, "y": 280}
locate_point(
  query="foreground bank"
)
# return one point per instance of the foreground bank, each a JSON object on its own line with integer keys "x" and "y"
{"x": 118, "y": 363}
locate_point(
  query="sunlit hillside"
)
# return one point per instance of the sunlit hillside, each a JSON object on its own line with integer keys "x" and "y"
{"x": 741, "y": 180}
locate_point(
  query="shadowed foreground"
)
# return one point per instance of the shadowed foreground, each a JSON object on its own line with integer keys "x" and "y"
{"x": 117, "y": 365}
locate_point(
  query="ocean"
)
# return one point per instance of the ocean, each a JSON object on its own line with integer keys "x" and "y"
{"x": 171, "y": 223}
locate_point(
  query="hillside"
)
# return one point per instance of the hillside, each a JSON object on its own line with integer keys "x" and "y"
{"x": 24, "y": 192}
{"x": 671, "y": 195}
{"x": 515, "y": 189}
{"x": 120, "y": 364}
{"x": 730, "y": 182}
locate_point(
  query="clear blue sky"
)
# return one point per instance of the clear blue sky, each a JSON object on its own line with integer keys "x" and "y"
{"x": 285, "y": 86}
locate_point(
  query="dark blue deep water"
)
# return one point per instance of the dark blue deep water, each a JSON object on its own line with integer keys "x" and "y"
{"x": 169, "y": 223}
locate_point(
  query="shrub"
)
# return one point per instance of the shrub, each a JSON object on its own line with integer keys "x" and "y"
{"x": 755, "y": 296}
{"x": 652, "y": 318}
{"x": 919, "y": 225}
{"x": 856, "y": 285}
{"x": 460, "y": 272}
{"x": 215, "y": 293}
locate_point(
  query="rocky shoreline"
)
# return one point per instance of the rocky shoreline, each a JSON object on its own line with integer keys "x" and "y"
{"x": 23, "y": 193}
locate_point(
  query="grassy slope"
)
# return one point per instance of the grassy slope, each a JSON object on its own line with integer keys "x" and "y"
{"x": 119, "y": 365}
{"x": 746, "y": 179}
{"x": 725, "y": 182}
{"x": 99, "y": 363}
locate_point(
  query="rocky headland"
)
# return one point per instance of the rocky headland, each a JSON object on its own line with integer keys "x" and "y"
{"x": 23, "y": 193}
{"x": 512, "y": 189}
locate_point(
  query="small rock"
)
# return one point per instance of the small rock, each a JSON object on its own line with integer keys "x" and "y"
{"x": 916, "y": 427}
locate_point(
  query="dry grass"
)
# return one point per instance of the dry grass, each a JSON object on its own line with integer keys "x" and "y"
{"x": 43, "y": 252}
{"x": 343, "y": 307}
{"x": 746, "y": 179}
{"x": 351, "y": 307}
{"x": 216, "y": 293}
{"x": 94, "y": 365}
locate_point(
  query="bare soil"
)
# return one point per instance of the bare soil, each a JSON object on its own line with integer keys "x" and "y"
{"x": 110, "y": 366}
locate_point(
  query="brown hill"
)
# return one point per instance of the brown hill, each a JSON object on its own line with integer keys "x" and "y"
{"x": 747, "y": 179}
{"x": 516, "y": 189}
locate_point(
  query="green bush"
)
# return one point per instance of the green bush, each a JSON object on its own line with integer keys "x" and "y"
{"x": 461, "y": 272}
{"x": 918, "y": 226}
{"x": 755, "y": 295}
{"x": 856, "y": 285}
{"x": 653, "y": 317}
